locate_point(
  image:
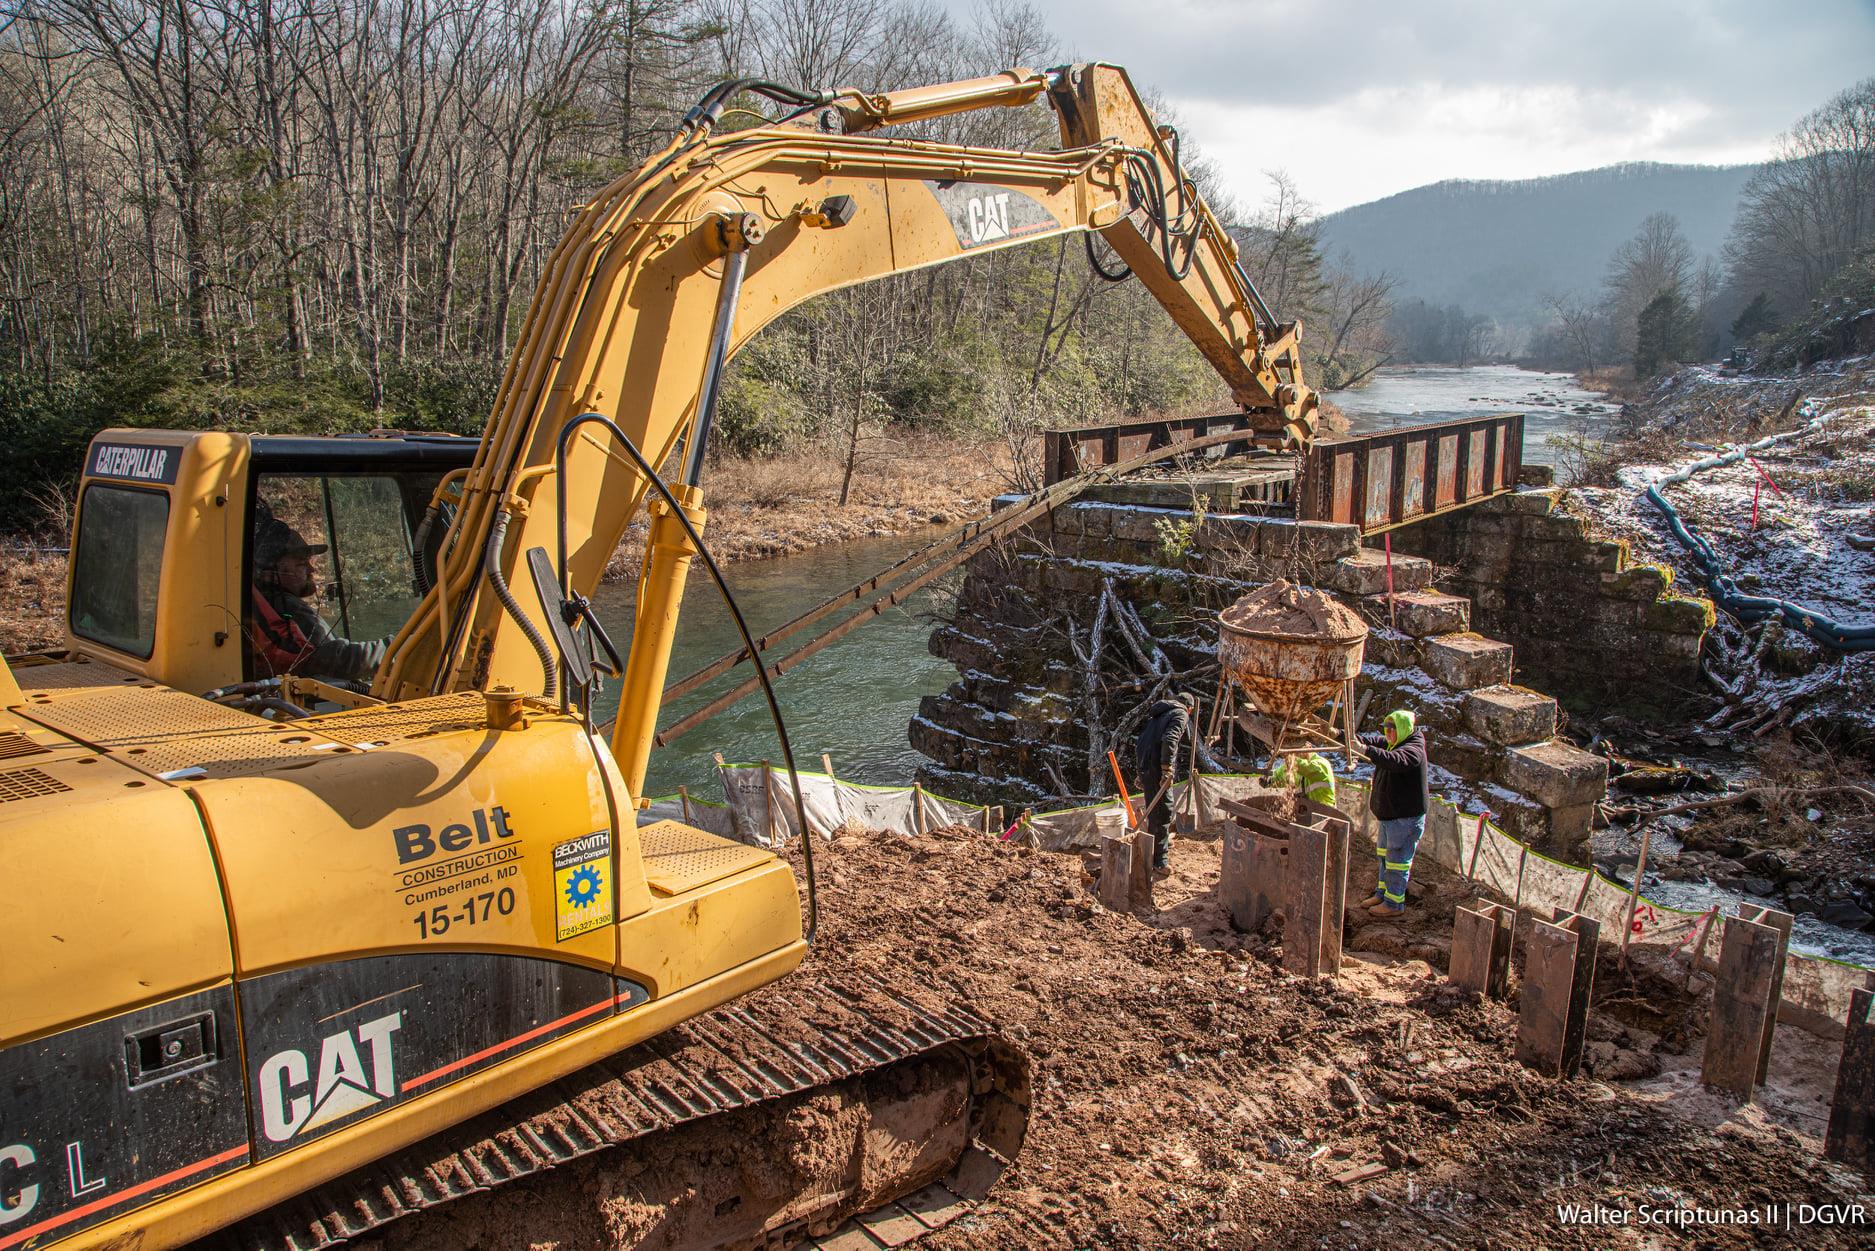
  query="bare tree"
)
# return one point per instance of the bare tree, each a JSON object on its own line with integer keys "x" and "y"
{"x": 1656, "y": 261}
{"x": 1810, "y": 210}
{"x": 1584, "y": 328}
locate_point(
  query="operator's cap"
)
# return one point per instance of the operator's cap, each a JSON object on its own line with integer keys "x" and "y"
{"x": 275, "y": 540}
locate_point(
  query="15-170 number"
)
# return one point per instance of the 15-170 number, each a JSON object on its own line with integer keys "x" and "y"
{"x": 472, "y": 911}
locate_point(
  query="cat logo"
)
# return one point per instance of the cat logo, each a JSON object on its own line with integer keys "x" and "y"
{"x": 989, "y": 217}
{"x": 355, "y": 1071}
{"x": 982, "y": 215}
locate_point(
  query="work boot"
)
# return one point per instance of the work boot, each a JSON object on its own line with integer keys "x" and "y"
{"x": 1382, "y": 908}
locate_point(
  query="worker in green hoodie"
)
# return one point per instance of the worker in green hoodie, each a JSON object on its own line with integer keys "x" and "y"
{"x": 1398, "y": 801}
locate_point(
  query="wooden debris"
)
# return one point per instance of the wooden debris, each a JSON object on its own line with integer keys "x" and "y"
{"x": 1359, "y": 1173}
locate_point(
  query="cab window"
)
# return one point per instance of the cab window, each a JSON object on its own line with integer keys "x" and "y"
{"x": 117, "y": 566}
{"x": 347, "y": 540}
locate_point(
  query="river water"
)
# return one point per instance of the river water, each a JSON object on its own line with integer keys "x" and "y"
{"x": 855, "y": 699}
{"x": 1552, "y": 404}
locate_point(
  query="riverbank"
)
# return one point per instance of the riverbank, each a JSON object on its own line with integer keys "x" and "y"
{"x": 1781, "y": 740}
{"x": 790, "y": 502}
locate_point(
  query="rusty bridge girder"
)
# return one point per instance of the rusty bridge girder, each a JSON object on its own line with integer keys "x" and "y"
{"x": 1375, "y": 481}
{"x": 1383, "y": 480}
{"x": 1066, "y": 453}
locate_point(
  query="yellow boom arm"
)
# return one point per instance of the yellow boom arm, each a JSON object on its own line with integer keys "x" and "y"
{"x": 671, "y": 269}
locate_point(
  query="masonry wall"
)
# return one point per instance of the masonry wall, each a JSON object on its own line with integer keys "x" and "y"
{"x": 1012, "y": 729}
{"x": 1590, "y": 625}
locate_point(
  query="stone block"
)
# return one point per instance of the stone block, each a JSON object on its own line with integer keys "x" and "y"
{"x": 1536, "y": 502}
{"x": 1141, "y": 525}
{"x": 1084, "y": 519}
{"x": 1679, "y": 614}
{"x": 1510, "y": 715}
{"x": 1522, "y": 819}
{"x": 1485, "y": 597}
{"x": 1466, "y": 661}
{"x": 1470, "y": 758}
{"x": 1423, "y": 613}
{"x": 1556, "y": 775}
{"x": 1567, "y": 833}
{"x": 1555, "y": 528}
{"x": 1536, "y": 475}
{"x": 1490, "y": 556}
{"x": 1618, "y": 612}
{"x": 1644, "y": 583}
{"x": 1610, "y": 556}
{"x": 1278, "y": 538}
{"x": 1392, "y": 648}
{"x": 1365, "y": 573}
{"x": 1673, "y": 649}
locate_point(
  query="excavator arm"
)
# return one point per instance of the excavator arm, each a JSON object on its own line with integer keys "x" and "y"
{"x": 671, "y": 269}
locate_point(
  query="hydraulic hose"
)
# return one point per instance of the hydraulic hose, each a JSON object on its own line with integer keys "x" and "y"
{"x": 491, "y": 563}
{"x": 742, "y": 628}
{"x": 419, "y": 544}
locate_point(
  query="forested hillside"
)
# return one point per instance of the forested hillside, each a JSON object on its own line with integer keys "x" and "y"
{"x": 1501, "y": 249}
{"x": 274, "y": 214}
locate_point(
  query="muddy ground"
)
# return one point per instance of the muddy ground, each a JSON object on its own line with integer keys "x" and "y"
{"x": 1190, "y": 1093}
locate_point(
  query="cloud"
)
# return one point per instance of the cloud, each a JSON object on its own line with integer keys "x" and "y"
{"x": 1362, "y": 98}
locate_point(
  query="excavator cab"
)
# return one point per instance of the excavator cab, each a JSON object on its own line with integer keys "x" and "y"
{"x": 178, "y": 537}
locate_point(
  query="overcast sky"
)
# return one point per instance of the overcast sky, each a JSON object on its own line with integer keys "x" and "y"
{"x": 1359, "y": 99}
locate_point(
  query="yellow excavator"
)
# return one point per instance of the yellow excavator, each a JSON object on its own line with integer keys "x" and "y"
{"x": 307, "y": 932}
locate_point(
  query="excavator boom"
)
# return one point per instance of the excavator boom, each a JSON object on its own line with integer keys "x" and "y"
{"x": 668, "y": 271}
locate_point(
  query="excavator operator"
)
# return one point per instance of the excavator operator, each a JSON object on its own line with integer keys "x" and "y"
{"x": 287, "y": 634}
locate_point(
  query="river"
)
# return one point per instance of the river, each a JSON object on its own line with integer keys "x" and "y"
{"x": 1552, "y": 404}
{"x": 852, "y": 701}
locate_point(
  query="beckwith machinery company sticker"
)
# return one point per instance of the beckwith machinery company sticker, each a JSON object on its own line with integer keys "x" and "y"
{"x": 582, "y": 885}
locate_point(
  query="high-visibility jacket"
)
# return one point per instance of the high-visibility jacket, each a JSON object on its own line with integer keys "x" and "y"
{"x": 1314, "y": 775}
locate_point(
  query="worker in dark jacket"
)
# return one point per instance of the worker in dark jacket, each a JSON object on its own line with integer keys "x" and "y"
{"x": 1164, "y": 741}
{"x": 1398, "y": 802}
{"x": 287, "y": 634}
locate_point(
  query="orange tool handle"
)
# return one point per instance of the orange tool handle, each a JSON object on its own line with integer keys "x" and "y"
{"x": 1132, "y": 822}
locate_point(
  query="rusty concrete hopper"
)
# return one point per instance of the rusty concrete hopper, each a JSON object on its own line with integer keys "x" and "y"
{"x": 1290, "y": 650}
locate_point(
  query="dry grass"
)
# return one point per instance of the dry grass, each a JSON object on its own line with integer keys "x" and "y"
{"x": 32, "y": 599}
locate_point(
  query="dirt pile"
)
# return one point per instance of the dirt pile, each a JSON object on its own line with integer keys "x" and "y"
{"x": 1190, "y": 1093}
{"x": 1284, "y": 607}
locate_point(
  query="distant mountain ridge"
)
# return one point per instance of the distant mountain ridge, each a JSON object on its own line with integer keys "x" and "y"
{"x": 1498, "y": 247}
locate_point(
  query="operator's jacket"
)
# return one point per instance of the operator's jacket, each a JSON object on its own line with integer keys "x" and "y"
{"x": 291, "y": 637}
{"x": 1399, "y": 788}
{"x": 1162, "y": 739}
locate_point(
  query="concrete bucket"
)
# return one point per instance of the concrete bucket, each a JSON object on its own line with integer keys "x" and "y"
{"x": 1289, "y": 648}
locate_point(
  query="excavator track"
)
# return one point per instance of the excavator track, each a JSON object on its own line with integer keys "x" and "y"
{"x": 905, "y": 1060}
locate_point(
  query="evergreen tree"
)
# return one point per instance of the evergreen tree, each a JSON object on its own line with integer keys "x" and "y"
{"x": 1759, "y": 318}
{"x": 1665, "y": 334}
